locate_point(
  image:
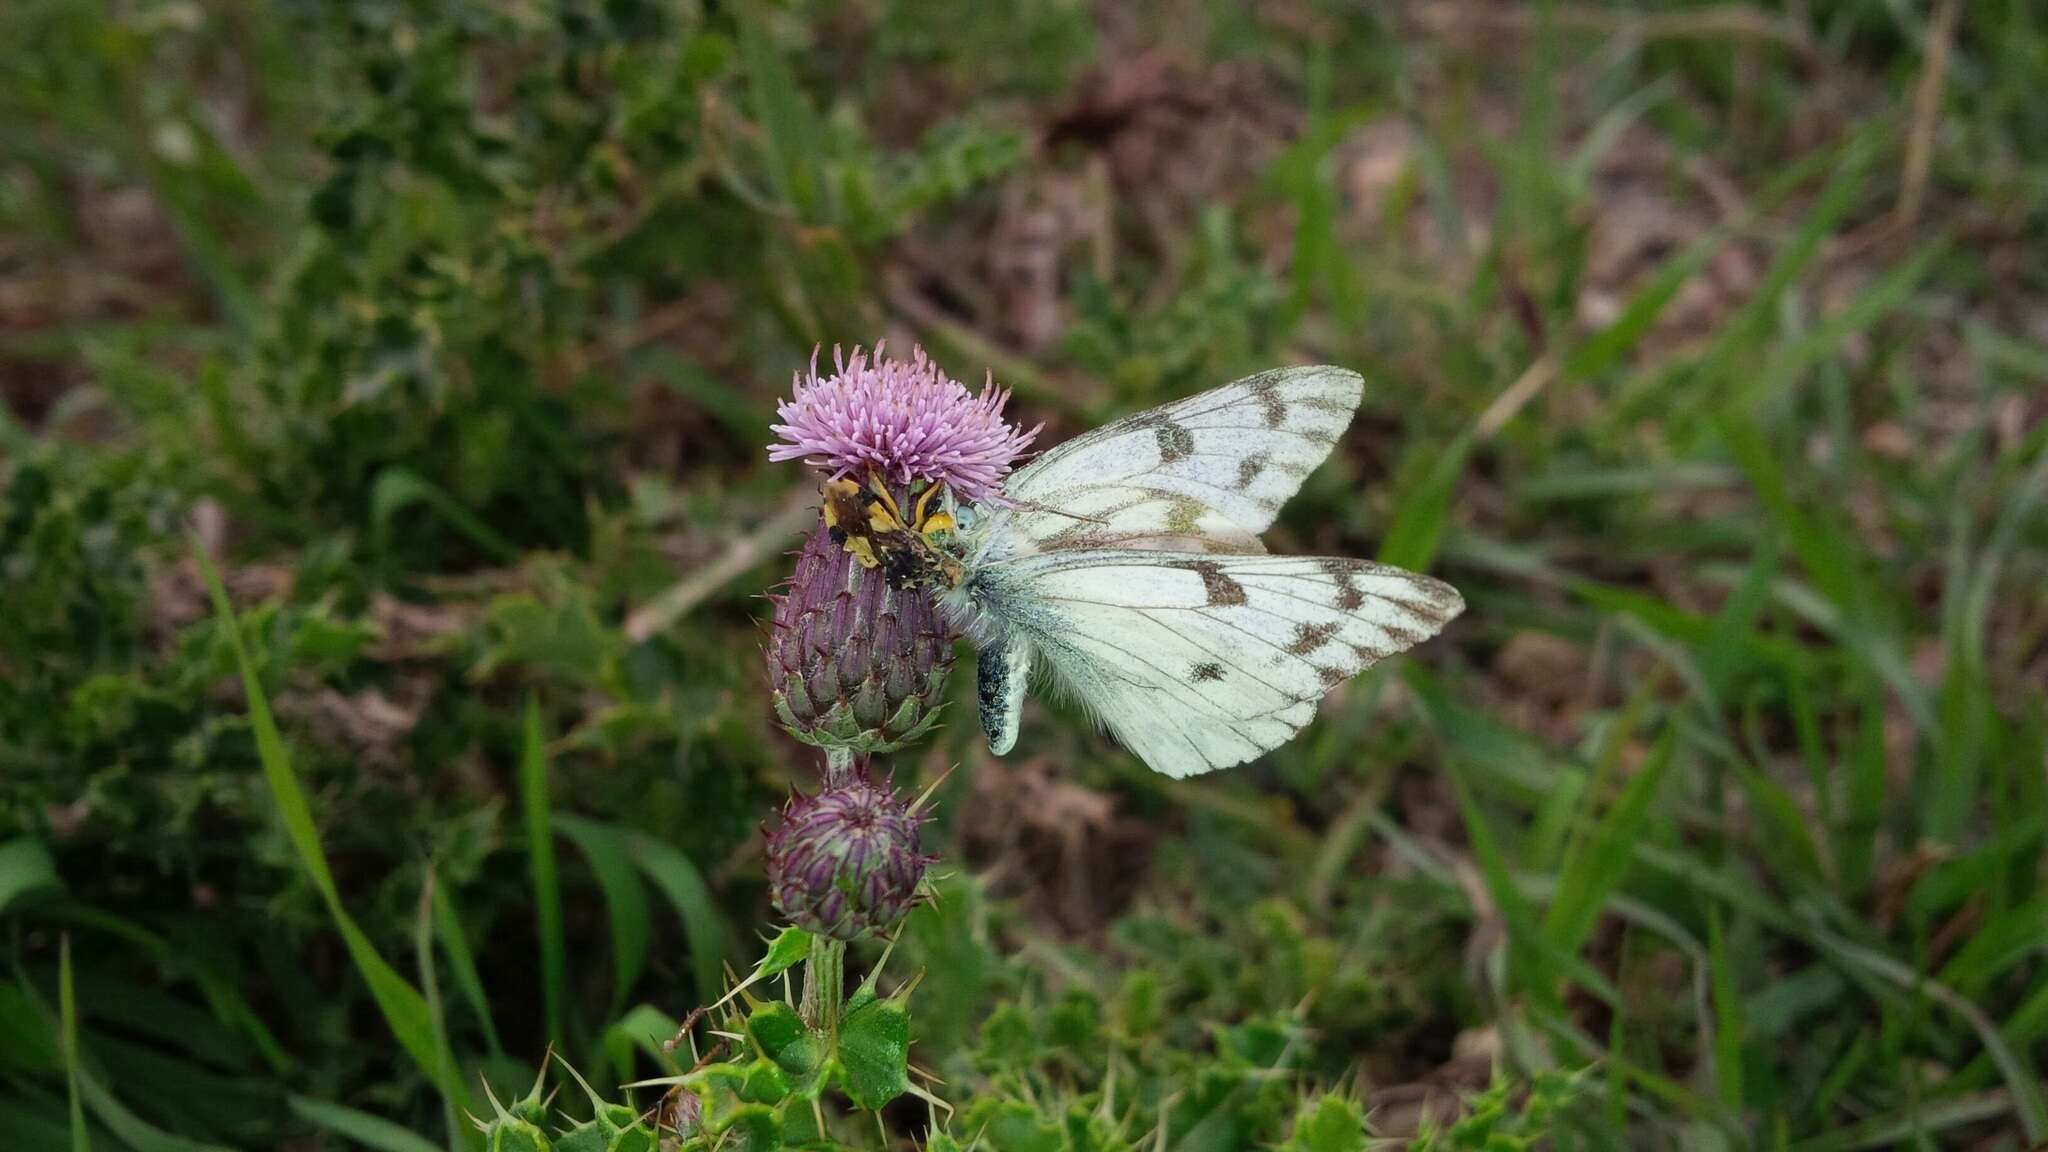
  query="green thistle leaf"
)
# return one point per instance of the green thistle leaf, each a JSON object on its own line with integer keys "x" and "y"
{"x": 1332, "y": 1124}
{"x": 783, "y": 1037}
{"x": 788, "y": 949}
{"x": 874, "y": 1053}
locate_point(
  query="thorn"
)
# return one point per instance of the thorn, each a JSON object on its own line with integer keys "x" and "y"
{"x": 918, "y": 805}
{"x": 493, "y": 1098}
{"x": 904, "y": 992}
{"x": 596, "y": 1101}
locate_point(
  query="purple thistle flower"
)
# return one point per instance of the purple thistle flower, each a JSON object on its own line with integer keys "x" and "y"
{"x": 904, "y": 420}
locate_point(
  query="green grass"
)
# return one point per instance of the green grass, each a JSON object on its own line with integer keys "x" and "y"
{"x": 366, "y": 369}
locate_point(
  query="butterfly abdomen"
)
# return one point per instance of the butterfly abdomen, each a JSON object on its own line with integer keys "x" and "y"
{"x": 1001, "y": 672}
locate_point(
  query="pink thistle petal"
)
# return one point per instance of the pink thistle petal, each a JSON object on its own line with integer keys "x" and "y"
{"x": 905, "y": 420}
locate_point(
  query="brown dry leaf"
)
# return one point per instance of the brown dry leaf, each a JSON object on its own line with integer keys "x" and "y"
{"x": 1176, "y": 135}
{"x": 670, "y": 430}
{"x": 178, "y": 596}
{"x": 1888, "y": 439}
{"x": 1376, "y": 160}
{"x": 1063, "y": 843}
{"x": 1649, "y": 205}
{"x": 1042, "y": 220}
{"x": 1544, "y": 679}
{"x": 408, "y": 631}
{"x": 369, "y": 723}
{"x": 1403, "y": 1110}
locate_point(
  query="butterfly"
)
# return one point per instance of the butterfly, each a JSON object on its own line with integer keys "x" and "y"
{"x": 1127, "y": 564}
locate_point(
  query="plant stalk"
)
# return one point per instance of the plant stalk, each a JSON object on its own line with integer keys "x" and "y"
{"x": 838, "y": 765}
{"x": 825, "y": 987}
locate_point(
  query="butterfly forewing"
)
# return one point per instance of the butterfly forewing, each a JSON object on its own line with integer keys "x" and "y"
{"x": 1199, "y": 661}
{"x": 1207, "y": 473}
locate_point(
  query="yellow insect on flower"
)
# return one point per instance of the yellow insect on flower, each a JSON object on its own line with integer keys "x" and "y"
{"x": 909, "y": 551}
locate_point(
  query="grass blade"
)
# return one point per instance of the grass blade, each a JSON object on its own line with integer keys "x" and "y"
{"x": 459, "y": 1137}
{"x": 547, "y": 888}
{"x": 1890, "y": 292}
{"x": 1727, "y": 1016}
{"x": 359, "y": 1127}
{"x": 1748, "y": 330}
{"x": 679, "y": 880}
{"x": 786, "y": 119}
{"x": 1595, "y": 864}
{"x": 85, "y": 1088}
{"x": 404, "y": 1009}
{"x": 1412, "y": 538}
{"x": 644, "y": 1029}
{"x": 67, "y": 1011}
{"x": 462, "y": 966}
{"x": 625, "y": 902}
{"x": 1831, "y": 564}
{"x": 398, "y": 489}
{"x": 1550, "y": 963}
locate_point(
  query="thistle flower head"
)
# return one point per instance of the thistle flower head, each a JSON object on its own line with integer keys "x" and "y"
{"x": 845, "y": 862}
{"x": 905, "y": 420}
{"x": 853, "y": 662}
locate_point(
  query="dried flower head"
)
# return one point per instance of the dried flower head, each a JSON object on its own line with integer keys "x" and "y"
{"x": 905, "y": 420}
{"x": 845, "y": 862}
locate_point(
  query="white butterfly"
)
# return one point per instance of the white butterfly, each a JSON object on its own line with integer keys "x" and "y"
{"x": 1130, "y": 567}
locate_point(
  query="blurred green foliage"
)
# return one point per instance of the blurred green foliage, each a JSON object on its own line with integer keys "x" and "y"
{"x": 1706, "y": 359}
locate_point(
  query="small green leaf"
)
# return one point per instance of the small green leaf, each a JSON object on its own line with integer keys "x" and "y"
{"x": 1332, "y": 1124}
{"x": 763, "y": 1083}
{"x": 637, "y": 1137}
{"x": 783, "y": 1037}
{"x": 520, "y": 1137}
{"x": 24, "y": 867}
{"x": 874, "y": 1050}
{"x": 786, "y": 951}
{"x": 748, "y": 1128}
{"x": 1010, "y": 1126}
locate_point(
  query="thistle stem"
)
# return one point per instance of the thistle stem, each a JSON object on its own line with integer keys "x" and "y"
{"x": 838, "y": 764}
{"x": 825, "y": 986}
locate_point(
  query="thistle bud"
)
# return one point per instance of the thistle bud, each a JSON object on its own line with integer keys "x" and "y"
{"x": 845, "y": 862}
{"x": 681, "y": 1113}
{"x": 852, "y": 662}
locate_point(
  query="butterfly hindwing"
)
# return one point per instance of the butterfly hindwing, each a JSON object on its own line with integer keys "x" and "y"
{"x": 1197, "y": 661}
{"x": 1207, "y": 473}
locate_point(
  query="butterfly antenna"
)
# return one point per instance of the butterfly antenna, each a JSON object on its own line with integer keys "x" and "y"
{"x": 1029, "y": 506}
